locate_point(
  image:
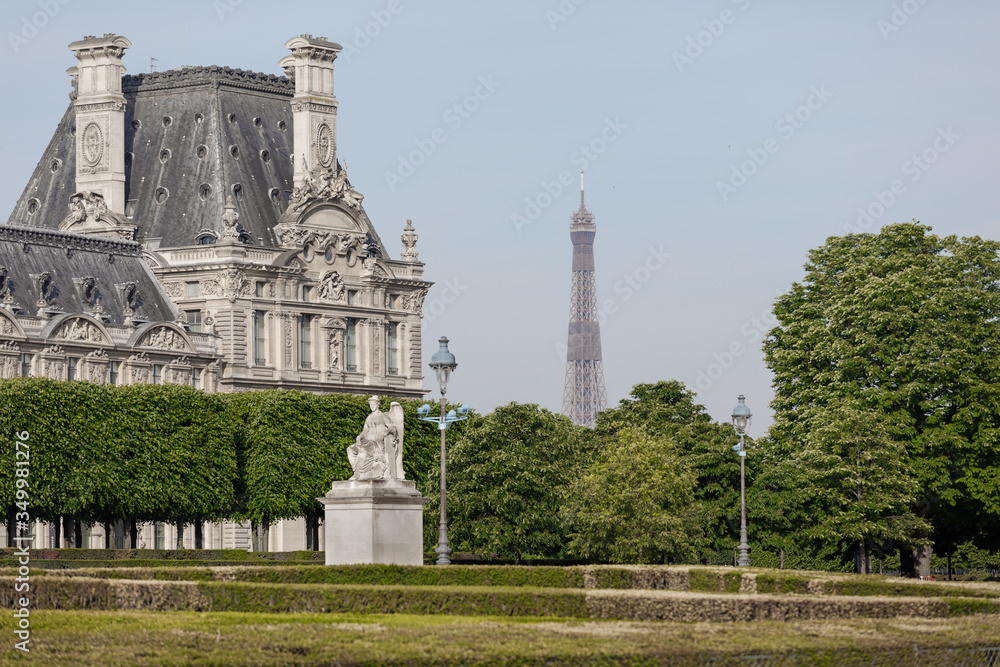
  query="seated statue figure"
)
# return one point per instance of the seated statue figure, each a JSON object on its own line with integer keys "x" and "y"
{"x": 377, "y": 453}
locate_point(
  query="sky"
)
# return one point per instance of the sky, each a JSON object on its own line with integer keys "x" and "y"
{"x": 721, "y": 141}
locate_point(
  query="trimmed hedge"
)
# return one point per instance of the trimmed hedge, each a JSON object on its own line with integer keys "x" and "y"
{"x": 700, "y": 580}
{"x": 170, "y": 453}
{"x": 223, "y": 555}
{"x": 90, "y": 593}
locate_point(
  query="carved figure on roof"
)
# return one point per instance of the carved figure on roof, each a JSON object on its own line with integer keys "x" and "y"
{"x": 230, "y": 218}
{"x": 46, "y": 289}
{"x": 321, "y": 184}
{"x": 377, "y": 453}
{"x": 89, "y": 212}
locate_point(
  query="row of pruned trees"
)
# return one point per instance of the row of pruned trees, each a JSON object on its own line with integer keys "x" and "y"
{"x": 172, "y": 454}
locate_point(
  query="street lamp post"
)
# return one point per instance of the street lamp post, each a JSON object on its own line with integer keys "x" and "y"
{"x": 443, "y": 363}
{"x": 741, "y": 421}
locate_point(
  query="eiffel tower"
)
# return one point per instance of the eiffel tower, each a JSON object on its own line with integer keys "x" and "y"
{"x": 583, "y": 394}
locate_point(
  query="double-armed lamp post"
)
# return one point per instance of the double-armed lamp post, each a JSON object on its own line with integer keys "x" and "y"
{"x": 741, "y": 422}
{"x": 443, "y": 363}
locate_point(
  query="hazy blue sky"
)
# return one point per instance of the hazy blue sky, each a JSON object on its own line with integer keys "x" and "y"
{"x": 830, "y": 103}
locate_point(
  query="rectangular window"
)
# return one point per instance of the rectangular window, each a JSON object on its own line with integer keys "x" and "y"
{"x": 307, "y": 293}
{"x": 392, "y": 348}
{"x": 196, "y": 378}
{"x": 193, "y": 320}
{"x": 157, "y": 373}
{"x": 352, "y": 297}
{"x": 393, "y": 301}
{"x": 113, "y": 374}
{"x": 259, "y": 358}
{"x": 71, "y": 369}
{"x": 259, "y": 290}
{"x": 25, "y": 365}
{"x": 305, "y": 341}
{"x": 351, "y": 344}
{"x": 193, "y": 290}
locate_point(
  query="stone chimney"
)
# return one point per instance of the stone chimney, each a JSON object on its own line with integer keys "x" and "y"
{"x": 100, "y": 118}
{"x": 314, "y": 108}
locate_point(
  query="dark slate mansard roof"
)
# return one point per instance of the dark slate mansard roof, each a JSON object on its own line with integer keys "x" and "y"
{"x": 192, "y": 137}
{"x": 68, "y": 258}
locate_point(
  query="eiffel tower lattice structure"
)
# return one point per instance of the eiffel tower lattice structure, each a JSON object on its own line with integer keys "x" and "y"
{"x": 584, "y": 394}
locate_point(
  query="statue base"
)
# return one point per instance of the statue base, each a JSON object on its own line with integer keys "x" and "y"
{"x": 374, "y": 521}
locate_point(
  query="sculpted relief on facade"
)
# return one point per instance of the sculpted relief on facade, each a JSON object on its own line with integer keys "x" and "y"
{"x": 79, "y": 329}
{"x": 331, "y": 287}
{"x": 164, "y": 338}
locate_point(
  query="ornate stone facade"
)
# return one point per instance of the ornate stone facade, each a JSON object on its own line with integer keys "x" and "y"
{"x": 269, "y": 274}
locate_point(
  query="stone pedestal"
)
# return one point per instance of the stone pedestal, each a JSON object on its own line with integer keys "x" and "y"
{"x": 374, "y": 521}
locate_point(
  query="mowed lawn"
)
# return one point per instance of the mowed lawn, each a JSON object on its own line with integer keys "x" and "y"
{"x": 134, "y": 639}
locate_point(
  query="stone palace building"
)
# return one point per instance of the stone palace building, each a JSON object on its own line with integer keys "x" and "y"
{"x": 196, "y": 226}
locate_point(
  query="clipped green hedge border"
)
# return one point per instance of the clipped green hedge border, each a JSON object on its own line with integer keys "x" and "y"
{"x": 235, "y": 555}
{"x": 88, "y": 593}
{"x": 699, "y": 580}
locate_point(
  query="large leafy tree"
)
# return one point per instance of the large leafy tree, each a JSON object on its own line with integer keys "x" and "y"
{"x": 506, "y": 475}
{"x": 905, "y": 325}
{"x": 634, "y": 504}
{"x": 667, "y": 410}
{"x": 854, "y": 483}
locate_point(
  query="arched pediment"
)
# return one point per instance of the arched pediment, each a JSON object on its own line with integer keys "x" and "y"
{"x": 77, "y": 327}
{"x": 153, "y": 259}
{"x": 162, "y": 336}
{"x": 329, "y": 215}
{"x": 9, "y": 328}
{"x": 378, "y": 268}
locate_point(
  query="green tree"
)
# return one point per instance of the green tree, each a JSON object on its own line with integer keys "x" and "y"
{"x": 906, "y": 325}
{"x": 856, "y": 484}
{"x": 506, "y": 473}
{"x": 634, "y": 504}
{"x": 667, "y": 409}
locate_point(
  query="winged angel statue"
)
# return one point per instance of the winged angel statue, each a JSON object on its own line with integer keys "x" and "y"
{"x": 378, "y": 452}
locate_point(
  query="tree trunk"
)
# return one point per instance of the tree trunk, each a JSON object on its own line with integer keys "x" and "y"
{"x": 312, "y": 532}
{"x": 179, "y": 543}
{"x": 69, "y": 532}
{"x": 199, "y": 535}
{"x": 263, "y": 535}
{"x": 107, "y": 534}
{"x": 949, "y": 567}
{"x": 11, "y": 528}
{"x": 781, "y": 557}
{"x": 915, "y": 562}
{"x": 922, "y": 560}
{"x": 133, "y": 534}
{"x": 78, "y": 534}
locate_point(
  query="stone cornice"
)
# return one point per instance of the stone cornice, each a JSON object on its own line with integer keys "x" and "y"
{"x": 50, "y": 237}
{"x": 205, "y": 76}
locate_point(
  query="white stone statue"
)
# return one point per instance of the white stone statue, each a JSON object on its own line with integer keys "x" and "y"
{"x": 377, "y": 453}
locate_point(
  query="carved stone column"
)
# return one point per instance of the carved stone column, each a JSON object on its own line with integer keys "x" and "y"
{"x": 10, "y": 360}
{"x": 96, "y": 367}
{"x": 52, "y": 363}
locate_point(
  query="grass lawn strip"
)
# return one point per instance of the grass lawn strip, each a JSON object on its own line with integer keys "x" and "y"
{"x": 142, "y": 639}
